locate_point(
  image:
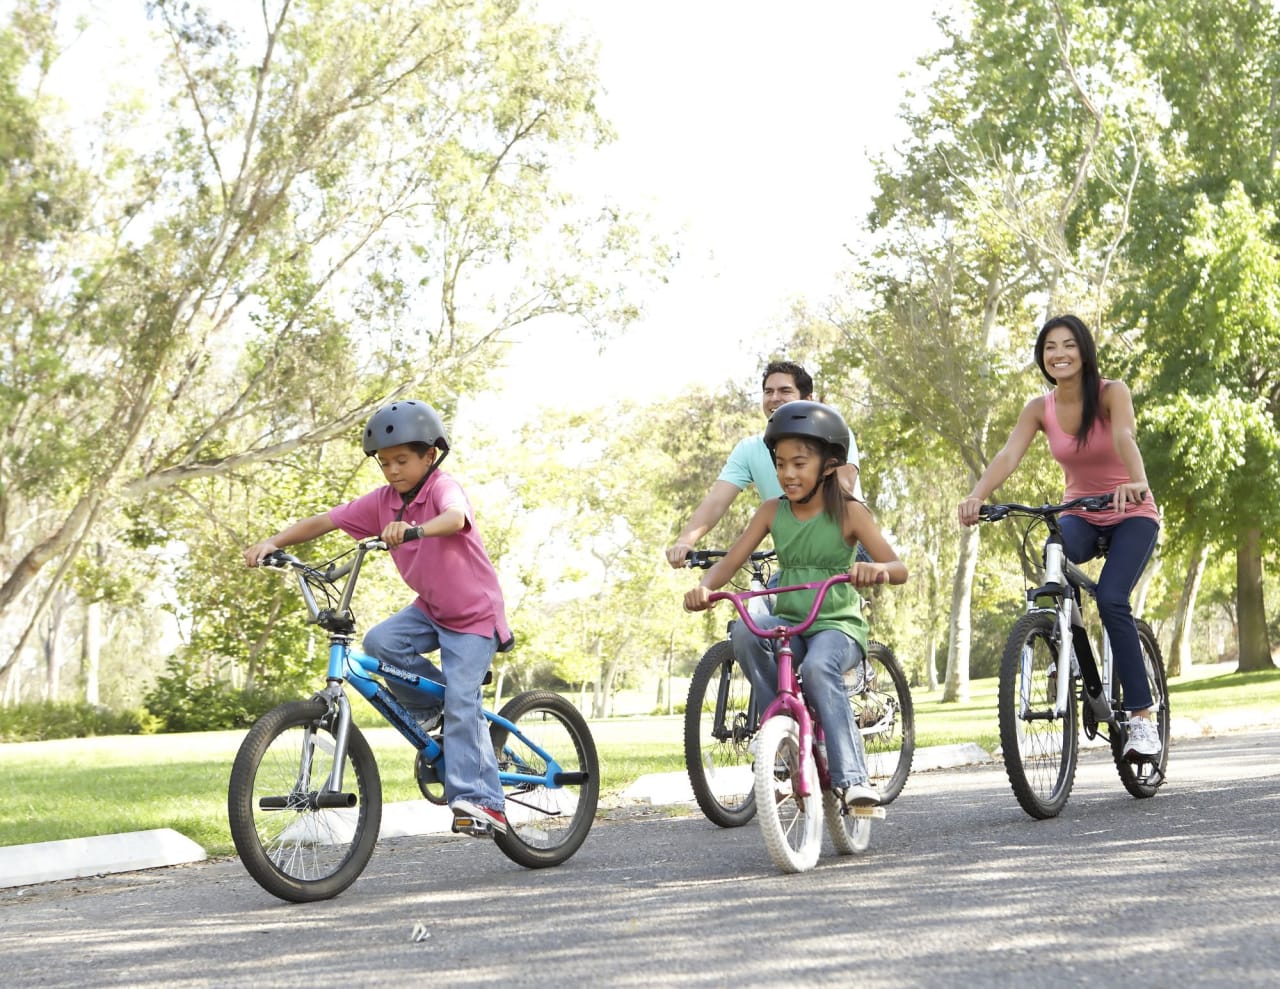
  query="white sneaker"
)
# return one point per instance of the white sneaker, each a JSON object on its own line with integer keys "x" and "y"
{"x": 1144, "y": 740}
{"x": 861, "y": 795}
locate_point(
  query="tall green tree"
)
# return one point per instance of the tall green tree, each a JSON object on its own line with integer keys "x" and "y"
{"x": 1217, "y": 430}
{"x": 334, "y": 204}
{"x": 1009, "y": 201}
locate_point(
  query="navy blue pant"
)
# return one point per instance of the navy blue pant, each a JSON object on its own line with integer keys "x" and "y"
{"x": 1131, "y": 544}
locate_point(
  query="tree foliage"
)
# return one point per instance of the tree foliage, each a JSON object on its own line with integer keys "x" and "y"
{"x": 332, "y": 204}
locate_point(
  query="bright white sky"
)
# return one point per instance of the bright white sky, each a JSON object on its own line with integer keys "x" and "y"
{"x": 744, "y": 129}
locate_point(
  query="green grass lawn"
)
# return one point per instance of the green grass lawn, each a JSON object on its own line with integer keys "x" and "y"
{"x": 74, "y": 788}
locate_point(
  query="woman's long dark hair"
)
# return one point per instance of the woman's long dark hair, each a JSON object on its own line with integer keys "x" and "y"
{"x": 1090, "y": 379}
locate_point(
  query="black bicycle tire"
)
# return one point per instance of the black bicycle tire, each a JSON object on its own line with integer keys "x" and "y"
{"x": 1126, "y": 770}
{"x": 510, "y": 842}
{"x": 716, "y": 663}
{"x": 257, "y": 858}
{"x": 1027, "y": 793}
{"x": 891, "y": 785}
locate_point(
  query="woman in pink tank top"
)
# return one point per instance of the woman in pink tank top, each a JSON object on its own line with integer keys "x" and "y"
{"x": 1089, "y": 423}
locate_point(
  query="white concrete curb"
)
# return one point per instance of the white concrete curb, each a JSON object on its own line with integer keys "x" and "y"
{"x": 72, "y": 858}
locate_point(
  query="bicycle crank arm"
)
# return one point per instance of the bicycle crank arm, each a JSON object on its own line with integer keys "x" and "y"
{"x": 312, "y": 801}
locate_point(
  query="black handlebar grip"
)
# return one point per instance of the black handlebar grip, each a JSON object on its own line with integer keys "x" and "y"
{"x": 412, "y": 533}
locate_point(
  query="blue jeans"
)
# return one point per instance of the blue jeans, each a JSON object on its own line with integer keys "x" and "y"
{"x": 471, "y": 768}
{"x": 824, "y": 658}
{"x": 1131, "y": 544}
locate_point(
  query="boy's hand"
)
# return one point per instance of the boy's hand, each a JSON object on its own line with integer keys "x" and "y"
{"x": 393, "y": 535}
{"x": 696, "y": 599}
{"x": 258, "y": 552}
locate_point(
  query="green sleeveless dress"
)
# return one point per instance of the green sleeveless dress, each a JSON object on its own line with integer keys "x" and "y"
{"x": 815, "y": 550}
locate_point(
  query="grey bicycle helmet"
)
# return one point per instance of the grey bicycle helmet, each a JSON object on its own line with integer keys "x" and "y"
{"x": 812, "y": 420}
{"x": 406, "y": 421}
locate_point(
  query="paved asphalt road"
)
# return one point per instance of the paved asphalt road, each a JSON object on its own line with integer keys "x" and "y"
{"x": 959, "y": 888}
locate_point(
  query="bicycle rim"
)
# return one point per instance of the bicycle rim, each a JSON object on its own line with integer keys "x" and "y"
{"x": 716, "y": 734}
{"x": 293, "y": 849}
{"x": 1143, "y": 779}
{"x": 1039, "y": 748}
{"x": 882, "y": 710}
{"x": 791, "y": 824}
{"x": 547, "y": 823}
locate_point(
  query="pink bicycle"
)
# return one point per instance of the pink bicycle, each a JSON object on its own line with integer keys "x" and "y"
{"x": 792, "y": 787}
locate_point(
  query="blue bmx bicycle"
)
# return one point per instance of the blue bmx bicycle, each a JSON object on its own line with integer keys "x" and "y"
{"x": 305, "y": 797}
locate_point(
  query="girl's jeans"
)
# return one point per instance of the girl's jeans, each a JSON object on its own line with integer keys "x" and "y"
{"x": 823, "y": 658}
{"x": 471, "y": 768}
{"x": 1131, "y": 544}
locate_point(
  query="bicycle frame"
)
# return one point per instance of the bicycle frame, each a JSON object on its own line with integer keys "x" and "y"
{"x": 789, "y": 696}
{"x": 349, "y": 666}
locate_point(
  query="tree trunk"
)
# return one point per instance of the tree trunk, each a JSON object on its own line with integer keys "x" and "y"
{"x": 52, "y": 649}
{"x": 957, "y": 679}
{"x": 1183, "y": 624}
{"x": 91, "y": 651}
{"x": 1251, "y": 613}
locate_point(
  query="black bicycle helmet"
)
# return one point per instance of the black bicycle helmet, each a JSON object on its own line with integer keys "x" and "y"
{"x": 812, "y": 420}
{"x": 407, "y": 421}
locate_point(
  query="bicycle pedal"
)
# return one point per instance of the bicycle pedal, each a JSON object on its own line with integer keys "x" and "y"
{"x": 866, "y": 810}
{"x": 472, "y": 826}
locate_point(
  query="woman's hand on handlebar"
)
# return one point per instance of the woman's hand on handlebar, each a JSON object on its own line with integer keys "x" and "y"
{"x": 1132, "y": 493}
{"x": 967, "y": 512}
{"x": 695, "y": 599}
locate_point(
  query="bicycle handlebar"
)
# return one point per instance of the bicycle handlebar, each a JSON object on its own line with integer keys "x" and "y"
{"x": 705, "y": 559}
{"x": 739, "y": 599}
{"x": 1090, "y": 503}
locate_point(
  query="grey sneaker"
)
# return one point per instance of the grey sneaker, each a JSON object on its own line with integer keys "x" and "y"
{"x": 428, "y": 718}
{"x": 1144, "y": 740}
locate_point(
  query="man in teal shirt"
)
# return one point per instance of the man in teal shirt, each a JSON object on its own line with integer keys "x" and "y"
{"x": 751, "y": 463}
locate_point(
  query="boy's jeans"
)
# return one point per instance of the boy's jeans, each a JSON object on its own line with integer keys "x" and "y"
{"x": 471, "y": 769}
{"x": 826, "y": 656}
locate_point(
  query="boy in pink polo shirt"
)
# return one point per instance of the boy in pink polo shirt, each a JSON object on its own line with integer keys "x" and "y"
{"x": 459, "y": 608}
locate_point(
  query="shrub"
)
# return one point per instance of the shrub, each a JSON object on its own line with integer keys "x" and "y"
{"x": 40, "y": 721}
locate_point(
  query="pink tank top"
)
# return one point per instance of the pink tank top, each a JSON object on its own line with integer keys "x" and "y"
{"x": 1094, "y": 468}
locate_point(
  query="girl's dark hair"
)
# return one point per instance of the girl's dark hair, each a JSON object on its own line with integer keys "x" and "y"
{"x": 1090, "y": 379}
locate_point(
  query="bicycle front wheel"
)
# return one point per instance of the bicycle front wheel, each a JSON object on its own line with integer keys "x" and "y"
{"x": 548, "y": 821}
{"x": 882, "y": 710}
{"x": 791, "y": 824}
{"x": 291, "y": 838}
{"x": 1144, "y": 778}
{"x": 1039, "y": 746}
{"x": 717, "y": 729}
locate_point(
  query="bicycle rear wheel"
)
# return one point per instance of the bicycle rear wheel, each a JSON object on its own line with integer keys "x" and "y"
{"x": 1143, "y": 779}
{"x": 882, "y": 710}
{"x": 717, "y": 728}
{"x": 1040, "y": 747}
{"x": 296, "y": 848}
{"x": 548, "y": 823}
{"x": 791, "y": 824}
